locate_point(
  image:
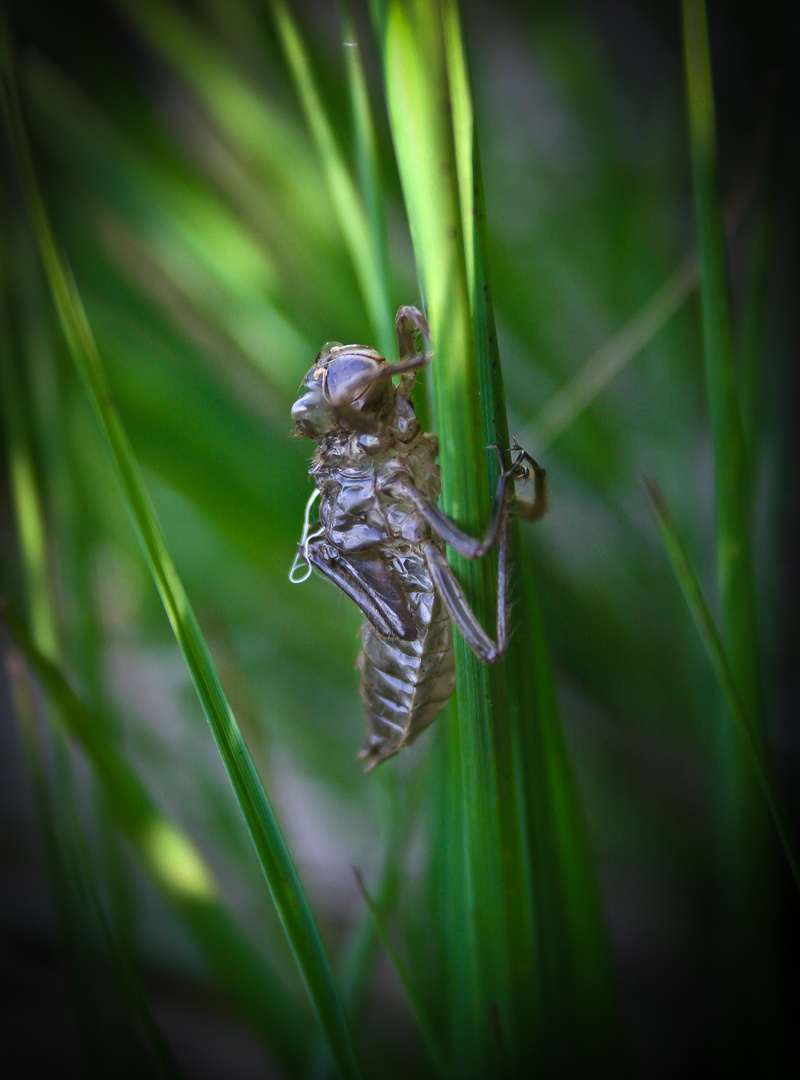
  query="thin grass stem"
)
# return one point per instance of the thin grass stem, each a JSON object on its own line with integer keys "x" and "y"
{"x": 712, "y": 643}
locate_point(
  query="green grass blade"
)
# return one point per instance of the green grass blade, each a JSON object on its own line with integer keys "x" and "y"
{"x": 561, "y": 971}
{"x": 521, "y": 925}
{"x": 418, "y": 99}
{"x": 353, "y": 221}
{"x": 751, "y": 340}
{"x": 746, "y": 882}
{"x": 734, "y": 560}
{"x": 413, "y": 999}
{"x": 612, "y": 358}
{"x": 712, "y": 643}
{"x": 276, "y": 862}
{"x": 622, "y": 348}
{"x": 172, "y": 862}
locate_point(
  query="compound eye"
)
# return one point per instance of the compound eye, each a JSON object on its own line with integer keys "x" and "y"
{"x": 348, "y": 376}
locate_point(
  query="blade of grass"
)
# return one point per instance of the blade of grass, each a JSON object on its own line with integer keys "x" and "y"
{"x": 561, "y": 955}
{"x": 712, "y": 643}
{"x": 732, "y": 477}
{"x": 426, "y": 1033}
{"x": 746, "y": 887}
{"x": 613, "y": 357}
{"x": 353, "y": 221}
{"x": 257, "y": 153}
{"x": 180, "y": 229}
{"x": 418, "y": 97}
{"x": 276, "y": 862}
{"x": 508, "y": 694}
{"x": 551, "y": 930}
{"x": 172, "y": 862}
{"x": 751, "y": 340}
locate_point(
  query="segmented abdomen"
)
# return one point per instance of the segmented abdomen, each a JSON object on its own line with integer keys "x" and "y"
{"x": 406, "y": 684}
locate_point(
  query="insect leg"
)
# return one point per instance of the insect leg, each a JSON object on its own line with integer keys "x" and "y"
{"x": 445, "y": 580}
{"x": 461, "y": 613}
{"x": 407, "y": 321}
{"x": 441, "y": 524}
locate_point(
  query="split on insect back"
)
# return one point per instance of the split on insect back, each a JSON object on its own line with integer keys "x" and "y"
{"x": 381, "y": 536}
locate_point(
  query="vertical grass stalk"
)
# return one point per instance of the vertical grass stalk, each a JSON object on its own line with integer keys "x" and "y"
{"x": 746, "y": 889}
{"x": 533, "y": 926}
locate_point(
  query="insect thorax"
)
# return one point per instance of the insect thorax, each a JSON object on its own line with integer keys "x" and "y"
{"x": 355, "y": 511}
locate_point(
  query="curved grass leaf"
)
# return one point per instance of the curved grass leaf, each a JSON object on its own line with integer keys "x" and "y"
{"x": 276, "y": 862}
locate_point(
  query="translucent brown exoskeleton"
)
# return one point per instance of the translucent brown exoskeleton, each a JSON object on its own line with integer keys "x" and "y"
{"x": 381, "y": 537}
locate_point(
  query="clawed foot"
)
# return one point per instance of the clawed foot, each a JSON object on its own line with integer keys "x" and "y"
{"x": 522, "y": 464}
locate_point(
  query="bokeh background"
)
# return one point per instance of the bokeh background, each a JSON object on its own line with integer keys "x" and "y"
{"x": 188, "y": 196}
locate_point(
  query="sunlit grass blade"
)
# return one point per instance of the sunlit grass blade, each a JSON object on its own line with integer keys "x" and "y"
{"x": 25, "y": 492}
{"x": 413, "y": 1000}
{"x": 418, "y": 99}
{"x": 523, "y": 926}
{"x": 712, "y": 643}
{"x": 172, "y": 862}
{"x": 353, "y": 221}
{"x": 180, "y": 225}
{"x": 276, "y": 862}
{"x": 225, "y": 91}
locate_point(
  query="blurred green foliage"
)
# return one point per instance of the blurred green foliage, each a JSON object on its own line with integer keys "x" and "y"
{"x": 188, "y": 195}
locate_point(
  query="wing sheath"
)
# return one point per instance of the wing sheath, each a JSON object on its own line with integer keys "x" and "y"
{"x": 365, "y": 578}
